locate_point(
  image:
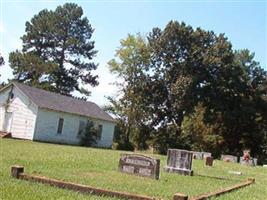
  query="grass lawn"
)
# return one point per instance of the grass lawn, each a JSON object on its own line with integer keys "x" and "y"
{"x": 98, "y": 167}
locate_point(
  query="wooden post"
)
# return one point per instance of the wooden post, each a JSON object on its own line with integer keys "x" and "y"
{"x": 179, "y": 196}
{"x": 252, "y": 180}
{"x": 16, "y": 171}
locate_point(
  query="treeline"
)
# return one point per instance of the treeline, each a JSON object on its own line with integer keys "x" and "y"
{"x": 188, "y": 88}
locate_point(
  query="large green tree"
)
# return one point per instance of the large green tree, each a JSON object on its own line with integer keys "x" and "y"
{"x": 130, "y": 66}
{"x": 57, "y": 51}
{"x": 188, "y": 66}
{"x": 184, "y": 68}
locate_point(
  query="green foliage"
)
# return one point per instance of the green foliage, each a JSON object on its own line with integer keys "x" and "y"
{"x": 200, "y": 135}
{"x": 130, "y": 66}
{"x": 191, "y": 90}
{"x": 57, "y": 51}
{"x": 120, "y": 141}
{"x": 88, "y": 135}
{"x": 29, "y": 67}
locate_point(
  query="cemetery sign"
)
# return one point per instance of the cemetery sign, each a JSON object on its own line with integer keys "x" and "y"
{"x": 139, "y": 165}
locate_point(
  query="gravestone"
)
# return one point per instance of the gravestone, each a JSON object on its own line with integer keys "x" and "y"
{"x": 229, "y": 158}
{"x": 197, "y": 155}
{"x": 201, "y": 155}
{"x": 179, "y": 161}
{"x": 206, "y": 154}
{"x": 255, "y": 161}
{"x": 139, "y": 165}
{"x": 246, "y": 159}
{"x": 209, "y": 161}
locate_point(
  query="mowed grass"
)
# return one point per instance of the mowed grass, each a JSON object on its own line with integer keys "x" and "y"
{"x": 99, "y": 168}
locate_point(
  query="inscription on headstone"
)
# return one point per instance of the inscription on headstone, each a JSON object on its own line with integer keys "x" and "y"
{"x": 179, "y": 161}
{"x": 229, "y": 158}
{"x": 139, "y": 165}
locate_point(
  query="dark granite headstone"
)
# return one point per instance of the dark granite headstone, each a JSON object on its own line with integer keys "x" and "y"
{"x": 209, "y": 161}
{"x": 179, "y": 161}
{"x": 139, "y": 165}
{"x": 229, "y": 158}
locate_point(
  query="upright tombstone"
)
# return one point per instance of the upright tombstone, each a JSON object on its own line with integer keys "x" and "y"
{"x": 139, "y": 165}
{"x": 197, "y": 155}
{"x": 201, "y": 155}
{"x": 255, "y": 160}
{"x": 209, "y": 161}
{"x": 179, "y": 161}
{"x": 206, "y": 154}
{"x": 246, "y": 159}
{"x": 229, "y": 158}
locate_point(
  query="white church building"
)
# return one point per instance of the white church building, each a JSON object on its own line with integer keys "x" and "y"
{"x": 34, "y": 114}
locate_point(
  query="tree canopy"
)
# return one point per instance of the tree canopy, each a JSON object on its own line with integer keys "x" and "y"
{"x": 183, "y": 83}
{"x": 57, "y": 51}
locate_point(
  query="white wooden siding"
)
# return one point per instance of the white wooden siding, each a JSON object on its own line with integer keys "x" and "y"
{"x": 23, "y": 113}
{"x": 47, "y": 124}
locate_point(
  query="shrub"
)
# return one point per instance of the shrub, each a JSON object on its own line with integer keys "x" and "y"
{"x": 89, "y": 135}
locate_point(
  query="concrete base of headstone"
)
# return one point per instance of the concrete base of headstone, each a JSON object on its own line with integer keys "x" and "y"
{"x": 179, "y": 171}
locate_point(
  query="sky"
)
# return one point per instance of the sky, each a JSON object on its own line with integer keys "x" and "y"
{"x": 243, "y": 22}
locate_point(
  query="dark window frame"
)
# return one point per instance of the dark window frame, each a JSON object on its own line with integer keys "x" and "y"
{"x": 82, "y": 126}
{"x": 60, "y": 125}
{"x": 99, "y": 131}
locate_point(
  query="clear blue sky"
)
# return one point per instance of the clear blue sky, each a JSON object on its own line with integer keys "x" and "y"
{"x": 243, "y": 22}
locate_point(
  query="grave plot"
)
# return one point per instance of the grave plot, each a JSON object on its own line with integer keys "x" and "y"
{"x": 99, "y": 168}
{"x": 18, "y": 172}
